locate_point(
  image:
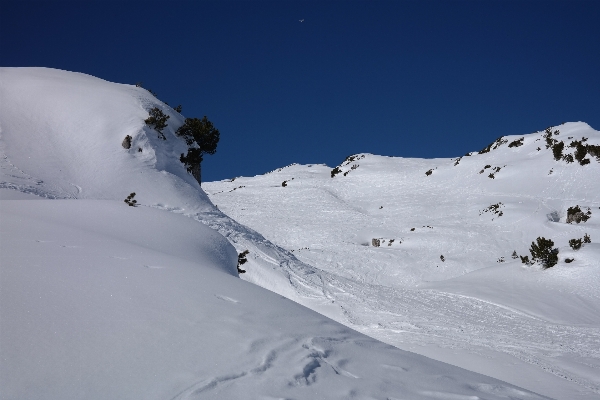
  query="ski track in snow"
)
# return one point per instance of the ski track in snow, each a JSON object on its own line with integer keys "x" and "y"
{"x": 346, "y": 285}
{"x": 400, "y": 316}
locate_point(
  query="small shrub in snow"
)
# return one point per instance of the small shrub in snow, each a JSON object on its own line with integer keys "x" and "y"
{"x": 557, "y": 150}
{"x": 550, "y": 141}
{"x": 494, "y": 145}
{"x": 543, "y": 251}
{"x": 139, "y": 149}
{"x": 130, "y": 201}
{"x": 126, "y": 142}
{"x": 491, "y": 176}
{"x": 412, "y": 229}
{"x": 241, "y": 261}
{"x": 575, "y": 244}
{"x": 568, "y": 158}
{"x": 580, "y": 153}
{"x": 594, "y": 151}
{"x": 500, "y": 260}
{"x": 352, "y": 168}
{"x": 514, "y": 255}
{"x": 525, "y": 260}
{"x": 569, "y": 260}
{"x": 178, "y": 109}
{"x": 516, "y": 143}
{"x": 158, "y": 121}
{"x": 574, "y": 214}
{"x": 375, "y": 242}
{"x": 429, "y": 172}
{"x": 335, "y": 171}
{"x": 442, "y": 258}
{"x": 494, "y": 209}
{"x": 587, "y": 239}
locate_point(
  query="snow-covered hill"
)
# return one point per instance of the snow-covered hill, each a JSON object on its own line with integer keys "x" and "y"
{"x": 101, "y": 300}
{"x": 478, "y": 307}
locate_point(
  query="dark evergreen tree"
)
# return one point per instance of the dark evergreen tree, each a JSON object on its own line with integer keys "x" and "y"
{"x": 575, "y": 244}
{"x": 557, "y": 150}
{"x": 158, "y": 121}
{"x": 202, "y": 138}
{"x": 130, "y": 201}
{"x": 241, "y": 261}
{"x": 544, "y": 252}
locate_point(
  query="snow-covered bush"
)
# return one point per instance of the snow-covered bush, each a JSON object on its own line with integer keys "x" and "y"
{"x": 335, "y": 171}
{"x": 575, "y": 244}
{"x": 574, "y": 214}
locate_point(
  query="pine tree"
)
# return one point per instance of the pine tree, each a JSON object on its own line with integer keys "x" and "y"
{"x": 544, "y": 252}
{"x": 202, "y": 138}
{"x": 157, "y": 120}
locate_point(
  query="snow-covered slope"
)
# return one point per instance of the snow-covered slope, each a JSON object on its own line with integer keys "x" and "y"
{"x": 62, "y": 133}
{"x": 479, "y": 307}
{"x": 100, "y": 300}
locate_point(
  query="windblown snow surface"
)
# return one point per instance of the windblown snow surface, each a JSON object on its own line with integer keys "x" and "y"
{"x": 101, "y": 300}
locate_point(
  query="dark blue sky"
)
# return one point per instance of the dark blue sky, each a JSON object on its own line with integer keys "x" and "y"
{"x": 399, "y": 78}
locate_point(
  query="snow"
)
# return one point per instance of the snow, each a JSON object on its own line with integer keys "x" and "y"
{"x": 535, "y": 328}
{"x": 102, "y": 300}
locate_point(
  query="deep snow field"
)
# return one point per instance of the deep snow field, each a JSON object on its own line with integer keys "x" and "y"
{"x": 101, "y": 300}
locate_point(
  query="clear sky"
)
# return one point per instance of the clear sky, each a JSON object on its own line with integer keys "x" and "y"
{"x": 398, "y": 78}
